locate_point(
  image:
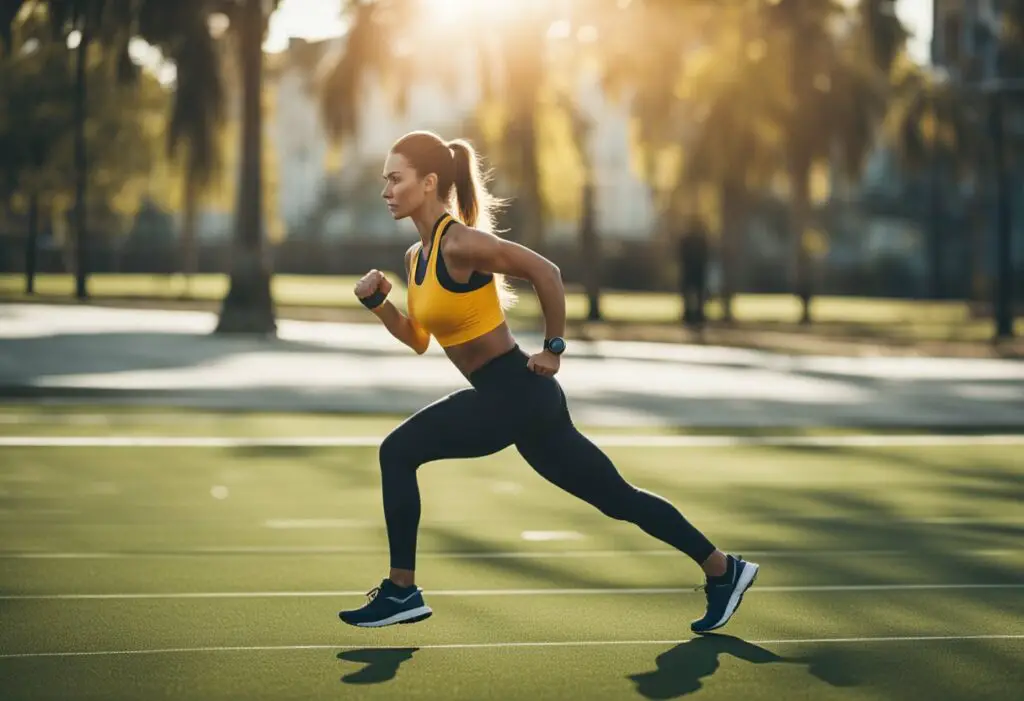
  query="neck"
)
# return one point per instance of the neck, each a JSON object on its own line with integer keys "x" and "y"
{"x": 425, "y": 218}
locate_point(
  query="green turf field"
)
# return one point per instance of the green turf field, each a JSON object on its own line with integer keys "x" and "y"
{"x": 216, "y": 573}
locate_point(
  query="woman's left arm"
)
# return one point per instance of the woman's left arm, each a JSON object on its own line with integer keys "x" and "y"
{"x": 478, "y": 250}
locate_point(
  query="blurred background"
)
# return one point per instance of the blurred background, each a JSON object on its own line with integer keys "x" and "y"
{"x": 834, "y": 168}
{"x": 756, "y": 205}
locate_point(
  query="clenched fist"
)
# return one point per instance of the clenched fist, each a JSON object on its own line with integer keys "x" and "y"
{"x": 372, "y": 282}
{"x": 544, "y": 363}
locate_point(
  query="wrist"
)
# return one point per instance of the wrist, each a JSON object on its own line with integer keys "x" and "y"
{"x": 374, "y": 301}
{"x": 555, "y": 345}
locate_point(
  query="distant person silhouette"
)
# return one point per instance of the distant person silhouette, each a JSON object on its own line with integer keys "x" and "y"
{"x": 693, "y": 257}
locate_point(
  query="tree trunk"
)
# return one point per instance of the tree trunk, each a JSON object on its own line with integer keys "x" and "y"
{"x": 800, "y": 214}
{"x": 1002, "y": 294}
{"x": 590, "y": 250}
{"x": 732, "y": 218}
{"x": 532, "y": 202}
{"x": 248, "y": 306}
{"x": 32, "y": 244}
{"x": 977, "y": 224}
{"x": 935, "y": 229}
{"x": 799, "y": 163}
{"x": 189, "y": 254}
{"x": 81, "y": 164}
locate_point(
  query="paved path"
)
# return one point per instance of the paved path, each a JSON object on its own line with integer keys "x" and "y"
{"x": 102, "y": 355}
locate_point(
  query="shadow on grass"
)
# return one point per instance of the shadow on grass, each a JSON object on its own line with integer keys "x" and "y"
{"x": 680, "y": 671}
{"x": 381, "y": 664}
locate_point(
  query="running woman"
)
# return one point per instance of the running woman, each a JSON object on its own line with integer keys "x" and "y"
{"x": 457, "y": 293}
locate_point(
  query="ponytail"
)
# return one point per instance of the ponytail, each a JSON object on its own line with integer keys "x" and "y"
{"x": 474, "y": 203}
{"x": 470, "y": 194}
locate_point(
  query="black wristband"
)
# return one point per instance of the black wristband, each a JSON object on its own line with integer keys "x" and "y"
{"x": 374, "y": 300}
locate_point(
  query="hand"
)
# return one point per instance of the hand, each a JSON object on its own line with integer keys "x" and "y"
{"x": 371, "y": 282}
{"x": 544, "y": 363}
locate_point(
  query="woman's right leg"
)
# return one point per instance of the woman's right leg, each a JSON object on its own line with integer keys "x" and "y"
{"x": 461, "y": 425}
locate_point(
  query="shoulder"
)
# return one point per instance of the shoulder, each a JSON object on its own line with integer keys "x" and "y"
{"x": 465, "y": 240}
{"x": 488, "y": 253}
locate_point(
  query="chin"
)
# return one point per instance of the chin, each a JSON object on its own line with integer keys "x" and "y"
{"x": 397, "y": 214}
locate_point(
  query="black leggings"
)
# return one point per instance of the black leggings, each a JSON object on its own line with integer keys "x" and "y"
{"x": 509, "y": 404}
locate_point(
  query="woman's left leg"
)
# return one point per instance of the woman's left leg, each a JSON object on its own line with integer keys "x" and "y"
{"x": 569, "y": 460}
{"x": 566, "y": 458}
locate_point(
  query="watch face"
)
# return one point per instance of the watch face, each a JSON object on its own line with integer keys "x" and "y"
{"x": 557, "y": 345}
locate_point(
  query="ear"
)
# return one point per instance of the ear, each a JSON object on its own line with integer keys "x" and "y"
{"x": 430, "y": 182}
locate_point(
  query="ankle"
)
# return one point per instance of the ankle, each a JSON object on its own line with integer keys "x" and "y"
{"x": 717, "y": 565}
{"x": 402, "y": 578}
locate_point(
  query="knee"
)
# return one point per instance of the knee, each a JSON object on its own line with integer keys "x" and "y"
{"x": 614, "y": 509}
{"x": 394, "y": 454}
{"x": 619, "y": 504}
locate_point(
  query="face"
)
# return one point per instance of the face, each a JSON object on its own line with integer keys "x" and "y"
{"x": 404, "y": 189}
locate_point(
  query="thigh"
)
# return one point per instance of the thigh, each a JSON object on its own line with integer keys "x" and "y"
{"x": 461, "y": 425}
{"x": 572, "y": 462}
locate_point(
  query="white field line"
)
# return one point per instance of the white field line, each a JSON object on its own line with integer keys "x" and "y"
{"x": 293, "y": 551}
{"x": 508, "y": 645}
{"x": 616, "y": 440}
{"x": 501, "y": 592}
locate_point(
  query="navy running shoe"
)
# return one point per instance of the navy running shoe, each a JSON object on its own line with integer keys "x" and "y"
{"x": 389, "y": 604}
{"x": 725, "y": 594}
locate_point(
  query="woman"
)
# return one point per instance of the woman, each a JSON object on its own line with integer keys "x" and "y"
{"x": 457, "y": 294}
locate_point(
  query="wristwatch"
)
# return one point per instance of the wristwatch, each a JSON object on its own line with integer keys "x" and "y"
{"x": 555, "y": 345}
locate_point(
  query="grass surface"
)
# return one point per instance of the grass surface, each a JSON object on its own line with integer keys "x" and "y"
{"x": 834, "y": 316}
{"x": 287, "y": 289}
{"x": 305, "y": 523}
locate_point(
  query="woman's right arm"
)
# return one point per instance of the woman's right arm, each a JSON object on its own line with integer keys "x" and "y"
{"x": 403, "y": 328}
{"x": 398, "y": 324}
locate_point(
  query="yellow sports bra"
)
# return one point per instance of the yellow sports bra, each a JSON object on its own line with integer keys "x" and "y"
{"x": 453, "y": 312}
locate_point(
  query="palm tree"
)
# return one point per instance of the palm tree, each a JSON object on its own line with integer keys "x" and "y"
{"x": 180, "y": 29}
{"x": 248, "y": 306}
{"x": 36, "y": 119}
{"x": 581, "y": 127}
{"x": 883, "y": 32}
{"x": 935, "y": 132}
{"x": 705, "y": 95}
{"x": 735, "y": 149}
{"x": 835, "y": 103}
{"x": 196, "y": 120}
{"x": 91, "y": 22}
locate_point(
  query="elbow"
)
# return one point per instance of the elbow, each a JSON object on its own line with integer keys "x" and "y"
{"x": 420, "y": 343}
{"x": 550, "y": 273}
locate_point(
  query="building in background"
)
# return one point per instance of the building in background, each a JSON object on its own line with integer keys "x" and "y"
{"x": 331, "y": 192}
{"x": 967, "y": 40}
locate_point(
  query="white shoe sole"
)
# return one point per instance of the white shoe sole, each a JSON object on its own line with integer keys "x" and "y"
{"x": 746, "y": 579}
{"x": 410, "y": 616}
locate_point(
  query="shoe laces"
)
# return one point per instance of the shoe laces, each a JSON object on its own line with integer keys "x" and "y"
{"x": 373, "y": 593}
